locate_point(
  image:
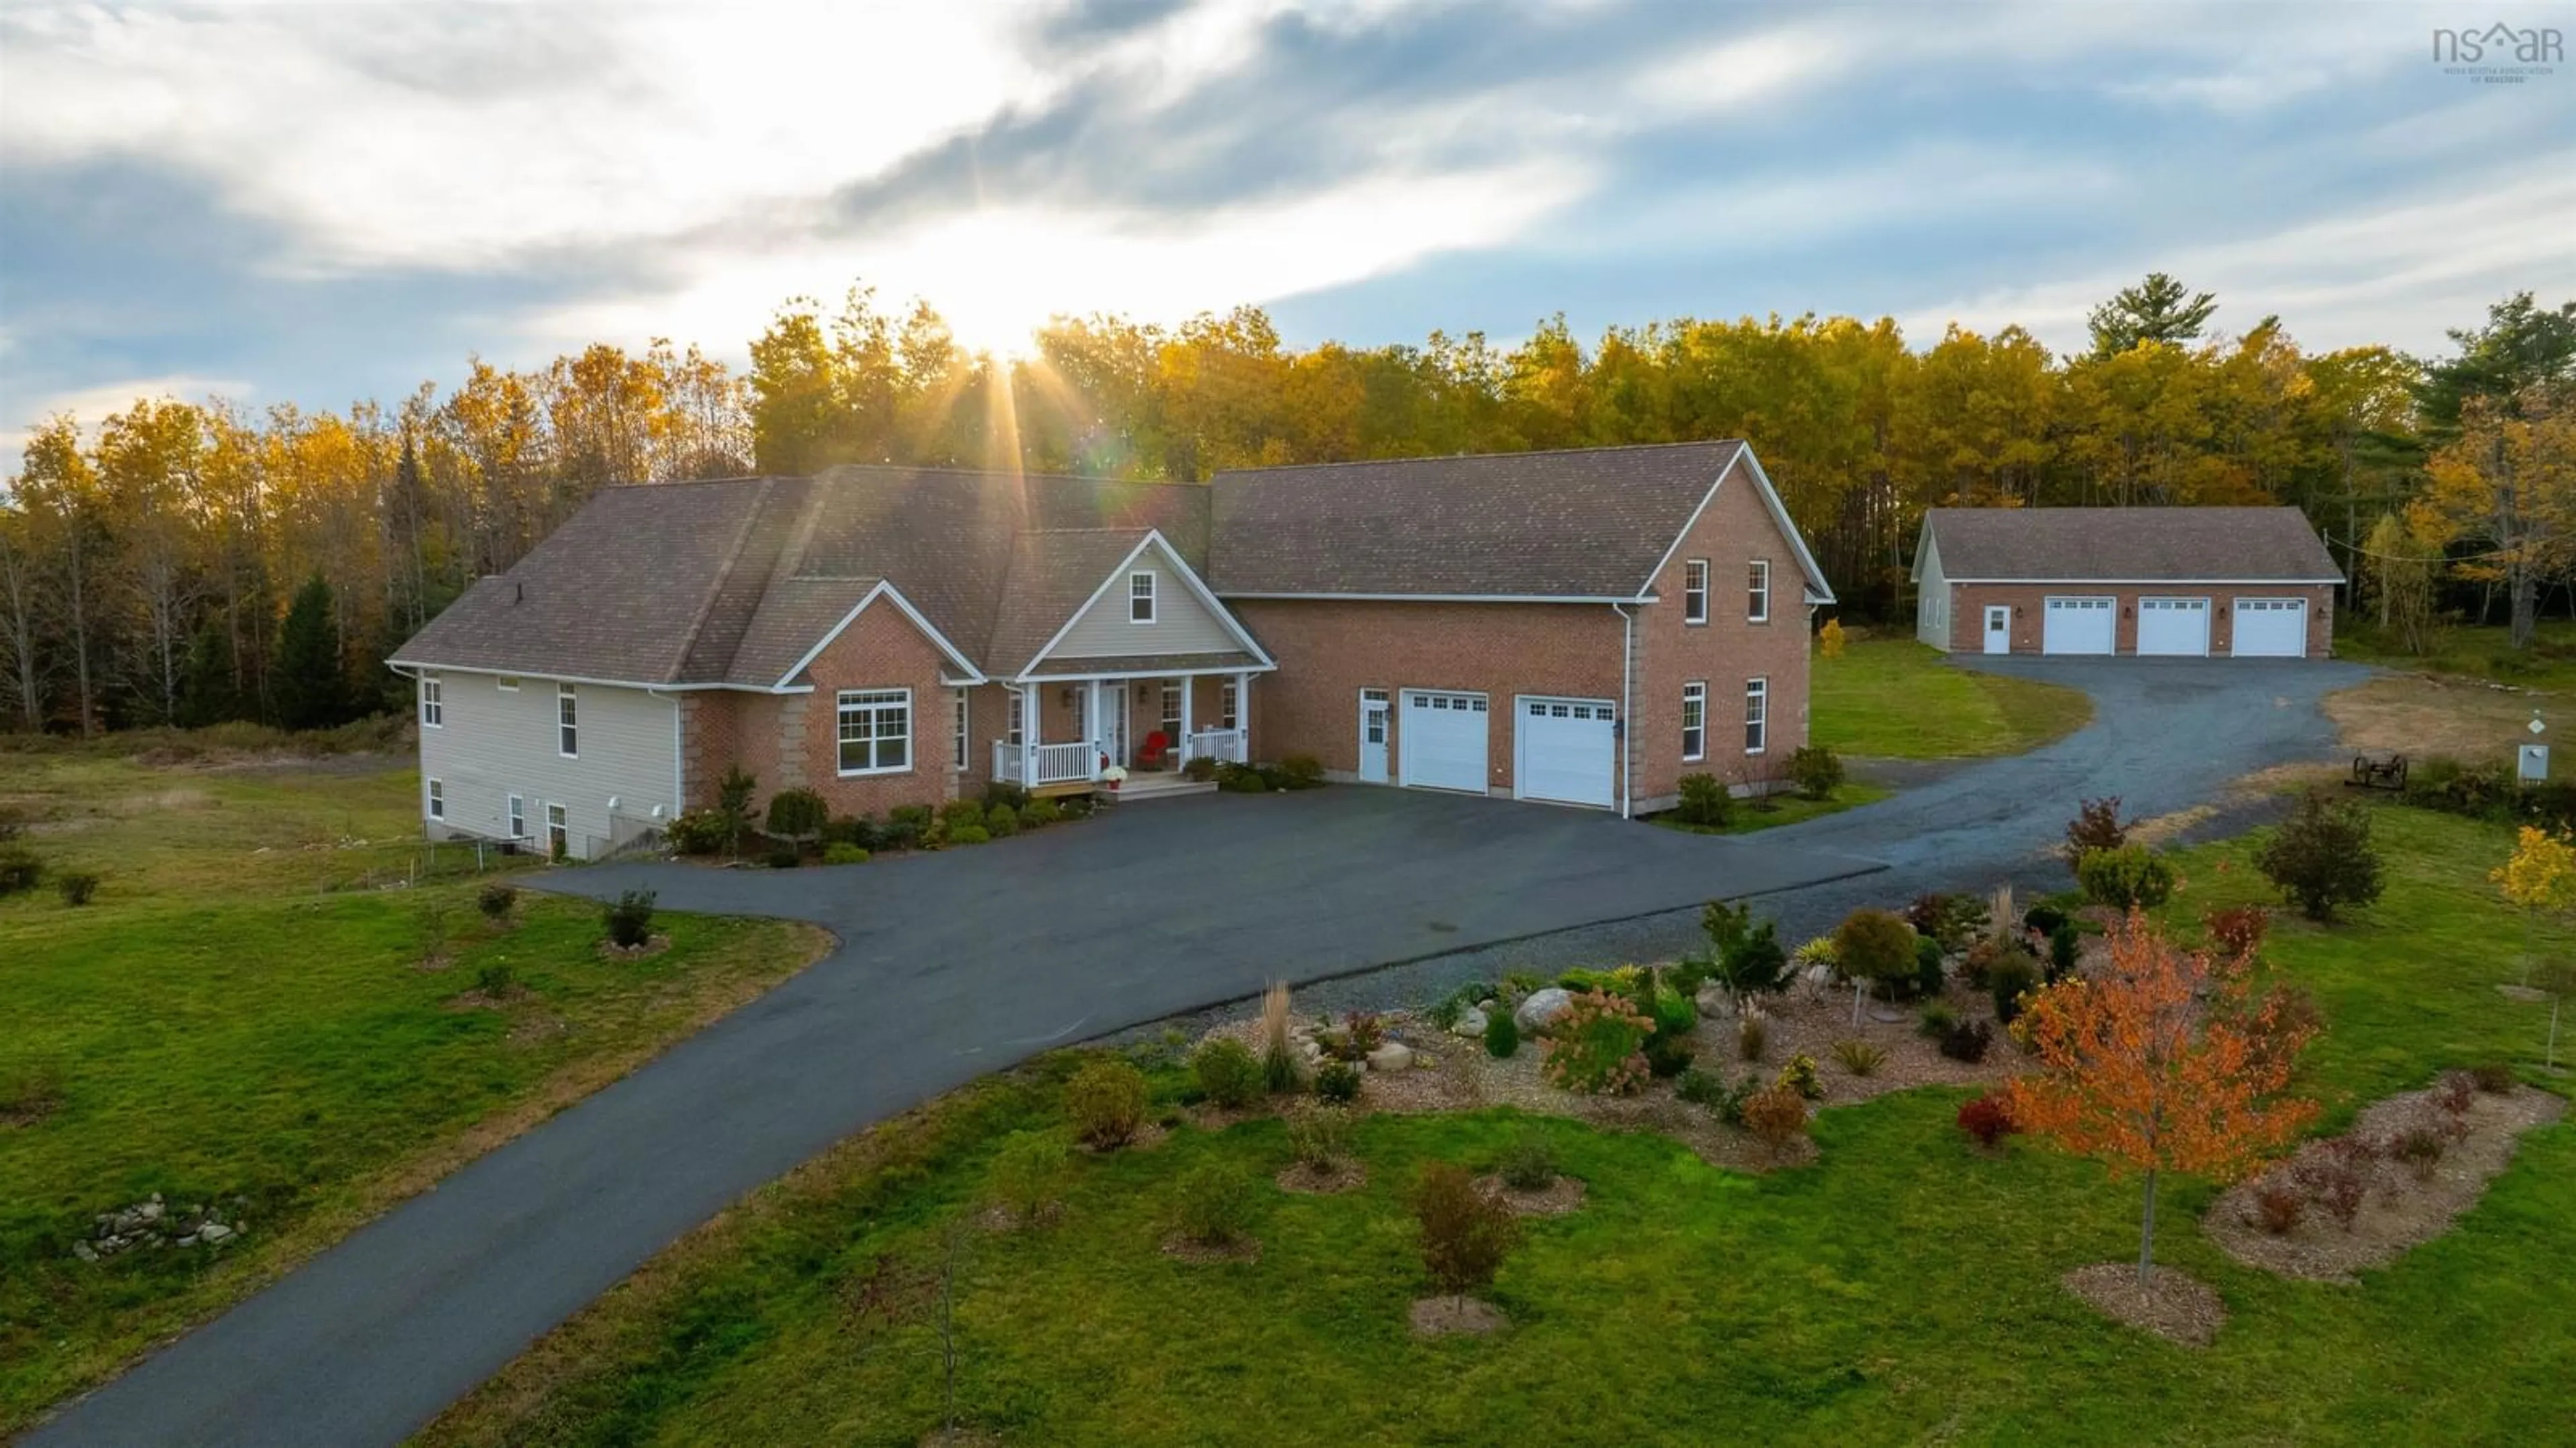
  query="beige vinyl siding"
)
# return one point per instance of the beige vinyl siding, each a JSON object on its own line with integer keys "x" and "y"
{"x": 1182, "y": 624}
{"x": 1932, "y": 601}
{"x": 496, "y": 743}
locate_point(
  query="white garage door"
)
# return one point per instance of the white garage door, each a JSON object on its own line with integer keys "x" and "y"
{"x": 2271, "y": 628}
{"x": 2173, "y": 626}
{"x": 1564, "y": 750}
{"x": 2078, "y": 626}
{"x": 1442, "y": 740}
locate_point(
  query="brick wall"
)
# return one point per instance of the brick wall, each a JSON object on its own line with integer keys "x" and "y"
{"x": 1968, "y": 603}
{"x": 1726, "y": 652}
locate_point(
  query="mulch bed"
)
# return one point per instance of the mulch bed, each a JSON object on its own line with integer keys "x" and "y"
{"x": 2400, "y": 1210}
{"x": 2174, "y": 1305}
{"x": 1444, "y": 1316}
{"x": 1304, "y": 1180}
{"x": 653, "y": 945}
{"x": 1208, "y": 1254}
{"x": 1557, "y": 1198}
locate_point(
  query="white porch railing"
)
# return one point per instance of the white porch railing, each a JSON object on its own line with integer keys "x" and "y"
{"x": 1226, "y": 746}
{"x": 1056, "y": 763}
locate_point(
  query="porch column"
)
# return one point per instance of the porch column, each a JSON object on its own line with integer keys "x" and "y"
{"x": 1030, "y": 728}
{"x": 1181, "y": 746}
{"x": 1091, "y": 725}
{"x": 1243, "y": 711}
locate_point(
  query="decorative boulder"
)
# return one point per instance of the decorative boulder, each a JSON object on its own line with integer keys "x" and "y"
{"x": 1393, "y": 1056}
{"x": 1470, "y": 1024}
{"x": 1541, "y": 1009}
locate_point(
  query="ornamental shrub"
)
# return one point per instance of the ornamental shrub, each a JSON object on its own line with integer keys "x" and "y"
{"x": 1800, "y": 1076}
{"x": 696, "y": 832}
{"x": 1988, "y": 1118}
{"x": 1598, "y": 1046}
{"x": 856, "y": 830}
{"x": 1967, "y": 1041}
{"x": 1228, "y": 1074}
{"x": 1502, "y": 1033}
{"x": 1859, "y": 1057}
{"x": 2096, "y": 826}
{"x": 1752, "y": 1037}
{"x": 630, "y": 919}
{"x": 904, "y": 826}
{"x": 1778, "y": 1115}
{"x": 969, "y": 835}
{"x": 1301, "y": 771}
{"x": 2131, "y": 875}
{"x": 784, "y": 857}
{"x": 1338, "y": 1082}
{"x": 2494, "y": 1078}
{"x": 1816, "y": 770}
{"x": 840, "y": 854}
{"x": 1749, "y": 959}
{"x": 1704, "y": 801}
{"x": 1937, "y": 1019}
{"x": 2065, "y": 948}
{"x": 1874, "y": 945}
{"x": 1002, "y": 821}
{"x": 1105, "y": 1100}
{"x": 1669, "y": 1056}
{"x": 2321, "y": 857}
{"x": 2236, "y": 932}
{"x": 1039, "y": 813}
{"x": 2043, "y": 919}
{"x": 797, "y": 814}
{"x": 1199, "y": 770}
{"x": 1529, "y": 1163}
{"x": 1319, "y": 1132}
{"x": 1002, "y": 791}
{"x": 1929, "y": 976}
{"x": 76, "y": 886}
{"x": 2008, "y": 980}
{"x": 1466, "y": 1233}
{"x": 1029, "y": 1174}
{"x": 496, "y": 900}
{"x": 1212, "y": 1204}
{"x": 2278, "y": 1210}
{"x": 959, "y": 813}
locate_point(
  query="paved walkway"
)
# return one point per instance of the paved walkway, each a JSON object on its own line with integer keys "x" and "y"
{"x": 955, "y": 964}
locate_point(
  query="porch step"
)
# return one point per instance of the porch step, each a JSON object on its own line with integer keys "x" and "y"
{"x": 1165, "y": 786}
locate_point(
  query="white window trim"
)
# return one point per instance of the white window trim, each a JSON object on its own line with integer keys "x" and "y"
{"x": 1758, "y": 595}
{"x": 506, "y": 683}
{"x": 558, "y": 817}
{"x": 1695, "y": 692}
{"x": 876, "y": 698}
{"x": 1757, "y": 691}
{"x": 1152, "y": 601}
{"x": 958, "y": 751}
{"x": 1229, "y": 705}
{"x": 518, "y": 818}
{"x": 1173, "y": 691}
{"x": 567, "y": 729}
{"x": 433, "y": 703}
{"x": 1019, "y": 716}
{"x": 1695, "y": 594}
{"x": 437, "y": 798}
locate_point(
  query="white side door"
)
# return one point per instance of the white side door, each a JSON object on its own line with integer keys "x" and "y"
{"x": 1998, "y": 628}
{"x": 1444, "y": 740}
{"x": 2078, "y": 626}
{"x": 1373, "y": 712}
{"x": 1565, "y": 750}
{"x": 2270, "y": 628}
{"x": 2173, "y": 627}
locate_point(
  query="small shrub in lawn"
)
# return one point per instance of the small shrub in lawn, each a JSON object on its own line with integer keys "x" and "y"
{"x": 1338, "y": 1082}
{"x": 1752, "y": 1038}
{"x": 2065, "y": 948}
{"x": 2454, "y": 1091}
{"x": 1598, "y": 1046}
{"x": 2419, "y": 1150}
{"x": 2096, "y": 826}
{"x": 1301, "y": 771}
{"x": 1778, "y": 1115}
{"x": 1039, "y": 813}
{"x": 1987, "y": 1118}
{"x": 1859, "y": 1057}
{"x": 1800, "y": 1075}
{"x": 1105, "y": 1100}
{"x": 496, "y": 979}
{"x": 2336, "y": 1178}
{"x": 784, "y": 857}
{"x": 2236, "y": 932}
{"x": 1029, "y": 1174}
{"x": 20, "y": 869}
{"x": 1816, "y": 770}
{"x": 970, "y": 835}
{"x": 1227, "y": 1073}
{"x": 2279, "y": 1210}
{"x": 2494, "y": 1078}
{"x": 796, "y": 814}
{"x": 1529, "y": 1163}
{"x": 76, "y": 886}
{"x": 496, "y": 900}
{"x": 1502, "y": 1033}
{"x": 2008, "y": 980}
{"x": 1319, "y": 1132}
{"x": 1938, "y": 1018}
{"x": 2321, "y": 857}
{"x": 1669, "y": 1056}
{"x": 839, "y": 854}
{"x": 1704, "y": 802}
{"x": 1967, "y": 1041}
{"x": 2131, "y": 875}
{"x": 1212, "y": 1204}
{"x": 630, "y": 919}
{"x": 1466, "y": 1233}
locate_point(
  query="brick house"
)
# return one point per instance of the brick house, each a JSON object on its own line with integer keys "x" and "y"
{"x": 889, "y": 636}
{"x": 2184, "y": 582}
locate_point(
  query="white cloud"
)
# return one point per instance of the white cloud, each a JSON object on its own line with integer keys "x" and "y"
{"x": 90, "y": 406}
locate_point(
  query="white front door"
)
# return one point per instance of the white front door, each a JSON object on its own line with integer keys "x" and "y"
{"x": 1565, "y": 750}
{"x": 2270, "y": 628}
{"x": 1998, "y": 628}
{"x": 2078, "y": 626}
{"x": 2173, "y": 626}
{"x": 1373, "y": 736}
{"x": 1444, "y": 740}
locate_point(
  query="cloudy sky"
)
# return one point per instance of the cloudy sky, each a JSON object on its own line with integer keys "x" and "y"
{"x": 325, "y": 201}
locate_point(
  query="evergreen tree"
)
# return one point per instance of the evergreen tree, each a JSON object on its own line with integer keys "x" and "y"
{"x": 311, "y": 694}
{"x": 207, "y": 696}
{"x": 2158, "y": 309}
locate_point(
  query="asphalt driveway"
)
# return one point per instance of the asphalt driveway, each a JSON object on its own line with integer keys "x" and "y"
{"x": 955, "y": 964}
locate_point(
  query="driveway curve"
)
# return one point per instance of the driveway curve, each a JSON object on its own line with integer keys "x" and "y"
{"x": 952, "y": 965}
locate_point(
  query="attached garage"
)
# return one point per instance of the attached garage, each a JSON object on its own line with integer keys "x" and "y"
{"x": 2173, "y": 627}
{"x": 1442, "y": 740}
{"x": 2270, "y": 628}
{"x": 1565, "y": 750}
{"x": 2080, "y": 626}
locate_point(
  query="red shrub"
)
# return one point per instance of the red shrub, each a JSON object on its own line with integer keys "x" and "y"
{"x": 1988, "y": 1118}
{"x": 2236, "y": 932}
{"x": 2278, "y": 1210}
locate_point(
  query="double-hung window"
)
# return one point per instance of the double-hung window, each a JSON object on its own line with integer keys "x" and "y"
{"x": 438, "y": 799}
{"x": 1694, "y": 722}
{"x": 1695, "y": 591}
{"x": 518, "y": 818}
{"x": 1757, "y": 592}
{"x": 1140, "y": 598}
{"x": 567, "y": 721}
{"x": 876, "y": 730}
{"x": 1019, "y": 711}
{"x": 1172, "y": 710}
{"x": 959, "y": 761}
{"x": 1757, "y": 715}
{"x": 1228, "y": 702}
{"x": 433, "y": 708}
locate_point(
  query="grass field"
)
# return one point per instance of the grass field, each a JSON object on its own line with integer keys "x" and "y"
{"x": 241, "y": 1013}
{"x": 1769, "y": 812}
{"x": 1902, "y": 1290}
{"x": 2471, "y": 652}
{"x": 1897, "y": 699}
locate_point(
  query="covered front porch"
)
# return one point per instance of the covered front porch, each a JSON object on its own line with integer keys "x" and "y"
{"x": 1147, "y": 723}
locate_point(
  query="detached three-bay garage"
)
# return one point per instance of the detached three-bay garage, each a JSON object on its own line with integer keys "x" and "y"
{"x": 2139, "y": 582}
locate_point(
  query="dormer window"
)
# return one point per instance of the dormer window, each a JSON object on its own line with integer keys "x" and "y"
{"x": 1140, "y": 598}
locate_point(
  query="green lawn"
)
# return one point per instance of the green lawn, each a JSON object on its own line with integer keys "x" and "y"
{"x": 1903, "y": 1290}
{"x": 241, "y": 1014}
{"x": 1772, "y": 811}
{"x": 1898, "y": 699}
{"x": 2549, "y": 665}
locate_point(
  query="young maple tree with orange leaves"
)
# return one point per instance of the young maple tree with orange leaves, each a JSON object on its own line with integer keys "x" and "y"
{"x": 2166, "y": 1062}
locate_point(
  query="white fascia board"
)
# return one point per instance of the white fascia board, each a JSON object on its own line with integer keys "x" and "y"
{"x": 2162, "y": 582}
{"x": 1457, "y": 597}
{"x": 885, "y": 589}
{"x": 1224, "y": 670}
{"x": 1198, "y": 589}
{"x": 1815, "y": 576}
{"x": 417, "y": 667}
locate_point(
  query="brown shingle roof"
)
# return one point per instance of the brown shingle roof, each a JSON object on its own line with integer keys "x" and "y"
{"x": 1587, "y": 523}
{"x": 2146, "y": 545}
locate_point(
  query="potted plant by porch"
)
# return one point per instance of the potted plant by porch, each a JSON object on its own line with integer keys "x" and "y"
{"x": 1113, "y": 776}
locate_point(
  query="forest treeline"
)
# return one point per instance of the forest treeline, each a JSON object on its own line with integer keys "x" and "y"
{"x": 190, "y": 562}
